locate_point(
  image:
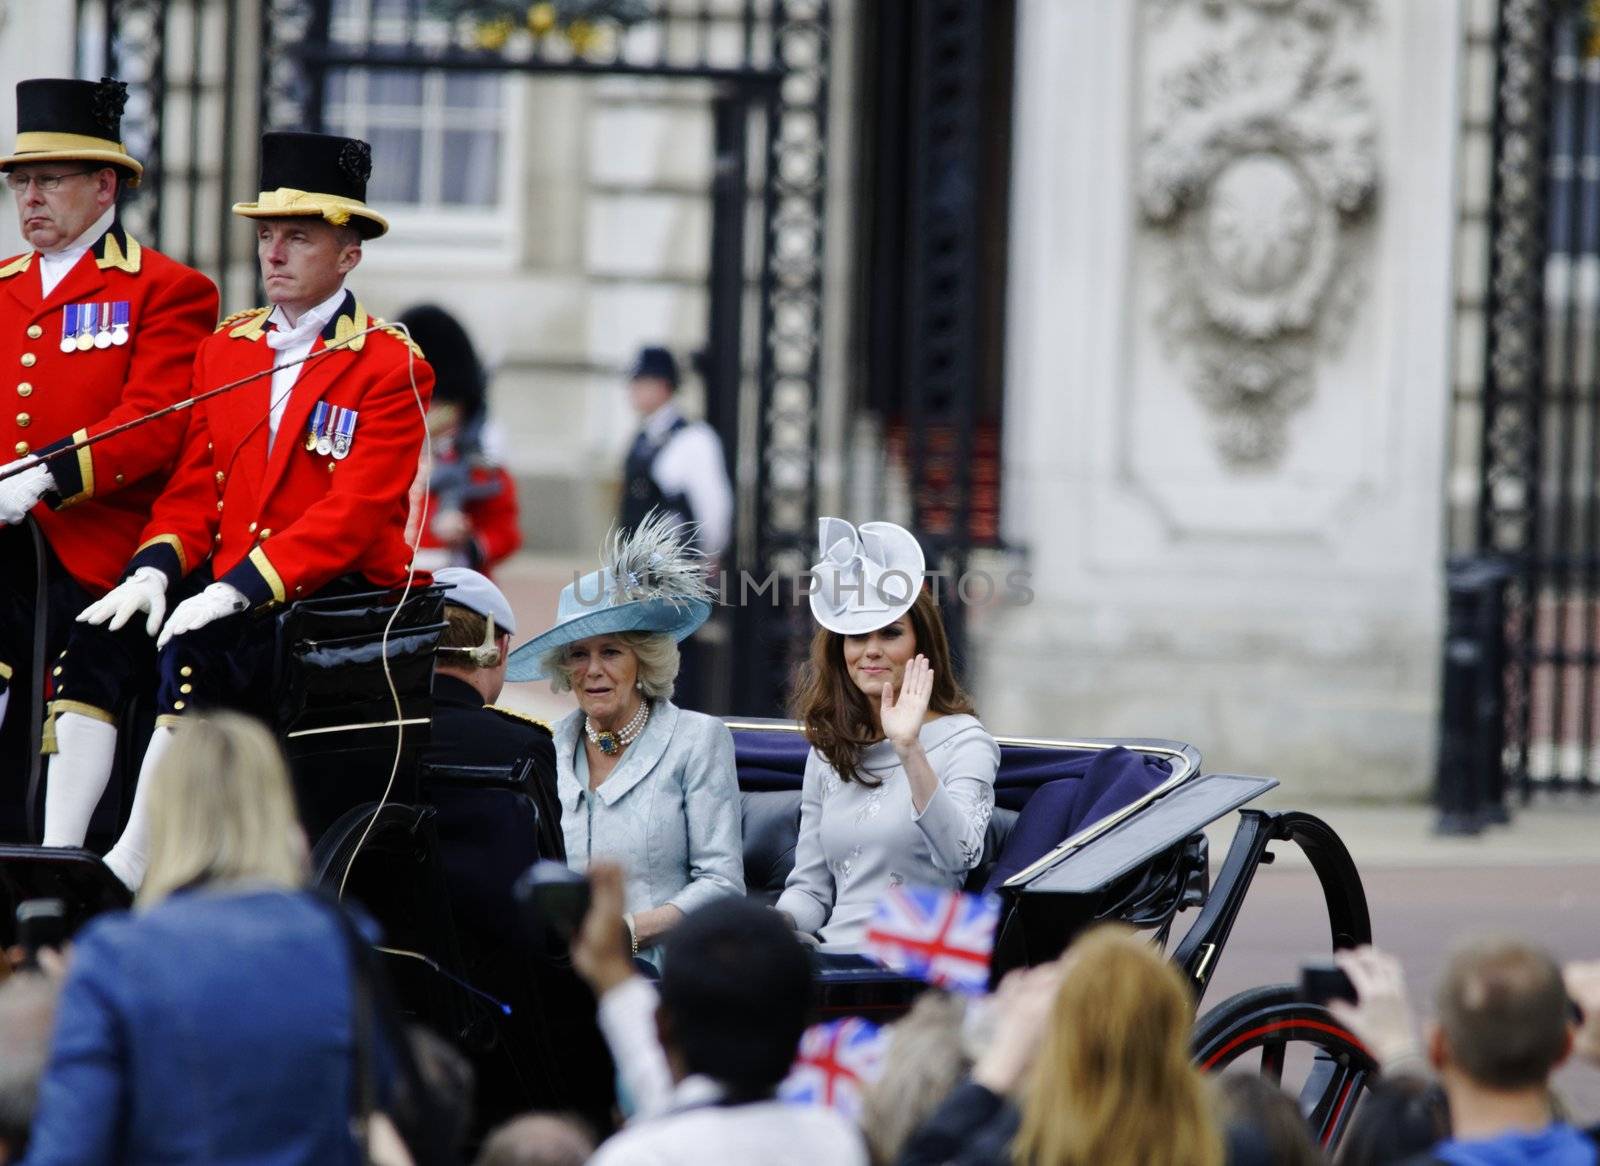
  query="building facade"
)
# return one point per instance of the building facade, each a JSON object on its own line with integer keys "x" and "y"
{"x": 1159, "y": 308}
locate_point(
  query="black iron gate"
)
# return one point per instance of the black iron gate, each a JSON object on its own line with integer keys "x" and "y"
{"x": 936, "y": 152}
{"x": 206, "y": 75}
{"x": 1522, "y": 662}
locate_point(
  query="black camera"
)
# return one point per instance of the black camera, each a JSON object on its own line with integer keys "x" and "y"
{"x": 40, "y": 923}
{"x": 554, "y": 899}
{"x": 1324, "y": 980}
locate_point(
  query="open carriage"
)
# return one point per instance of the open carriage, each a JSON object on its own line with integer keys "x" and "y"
{"x": 1084, "y": 830}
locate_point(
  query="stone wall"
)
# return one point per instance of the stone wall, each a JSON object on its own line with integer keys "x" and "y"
{"x": 1227, "y": 381}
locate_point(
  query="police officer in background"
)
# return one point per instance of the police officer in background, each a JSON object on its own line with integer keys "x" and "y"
{"x": 674, "y": 463}
{"x": 95, "y": 330}
{"x": 677, "y": 465}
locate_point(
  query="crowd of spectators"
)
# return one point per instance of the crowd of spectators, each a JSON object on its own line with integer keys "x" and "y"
{"x": 115, "y": 1053}
{"x": 238, "y": 1016}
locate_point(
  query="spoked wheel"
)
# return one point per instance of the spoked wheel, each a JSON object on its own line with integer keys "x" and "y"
{"x": 1297, "y": 1046}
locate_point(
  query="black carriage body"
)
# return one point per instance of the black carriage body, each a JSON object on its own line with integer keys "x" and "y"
{"x": 1094, "y": 787}
{"x": 1129, "y": 851}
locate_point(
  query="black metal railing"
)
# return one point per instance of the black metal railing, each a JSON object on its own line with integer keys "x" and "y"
{"x": 181, "y": 60}
{"x": 1530, "y": 597}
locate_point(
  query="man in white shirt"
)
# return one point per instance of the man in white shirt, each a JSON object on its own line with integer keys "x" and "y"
{"x": 674, "y": 464}
{"x": 701, "y": 1060}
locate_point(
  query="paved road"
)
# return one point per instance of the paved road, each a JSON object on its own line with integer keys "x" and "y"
{"x": 1418, "y": 912}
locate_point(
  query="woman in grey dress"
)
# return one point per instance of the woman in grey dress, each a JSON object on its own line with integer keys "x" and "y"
{"x": 899, "y": 783}
{"x": 641, "y": 782}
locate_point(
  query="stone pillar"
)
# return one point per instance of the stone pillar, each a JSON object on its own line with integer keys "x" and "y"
{"x": 1227, "y": 381}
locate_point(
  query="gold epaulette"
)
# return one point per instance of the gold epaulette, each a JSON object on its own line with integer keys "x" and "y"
{"x": 241, "y": 317}
{"x": 512, "y": 714}
{"x": 416, "y": 350}
{"x": 16, "y": 266}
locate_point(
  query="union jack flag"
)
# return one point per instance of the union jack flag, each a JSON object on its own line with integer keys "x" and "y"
{"x": 942, "y": 936}
{"x": 837, "y": 1061}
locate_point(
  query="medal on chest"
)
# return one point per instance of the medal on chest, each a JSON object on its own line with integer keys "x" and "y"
{"x": 105, "y": 324}
{"x": 331, "y": 430}
{"x": 319, "y": 418}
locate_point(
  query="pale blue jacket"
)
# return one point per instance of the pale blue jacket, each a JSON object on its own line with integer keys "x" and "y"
{"x": 668, "y": 813}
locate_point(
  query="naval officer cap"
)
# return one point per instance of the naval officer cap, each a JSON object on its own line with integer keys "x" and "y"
{"x": 475, "y": 592}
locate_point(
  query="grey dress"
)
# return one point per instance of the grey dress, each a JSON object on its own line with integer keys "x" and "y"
{"x": 856, "y": 840}
{"x": 668, "y": 813}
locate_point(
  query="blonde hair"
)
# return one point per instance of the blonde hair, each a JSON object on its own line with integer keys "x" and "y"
{"x": 222, "y": 810}
{"x": 1116, "y": 1053}
{"x": 925, "y": 1061}
{"x": 656, "y": 652}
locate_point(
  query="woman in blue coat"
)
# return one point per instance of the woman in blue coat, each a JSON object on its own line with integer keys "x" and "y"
{"x": 642, "y": 782}
{"x": 215, "y": 1022}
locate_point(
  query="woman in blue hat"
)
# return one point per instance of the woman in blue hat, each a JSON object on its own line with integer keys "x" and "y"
{"x": 641, "y": 781}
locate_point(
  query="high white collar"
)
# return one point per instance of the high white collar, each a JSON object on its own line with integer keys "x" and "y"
{"x": 74, "y": 250}
{"x": 312, "y": 321}
{"x": 54, "y": 265}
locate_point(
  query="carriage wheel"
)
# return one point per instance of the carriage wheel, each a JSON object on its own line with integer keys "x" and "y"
{"x": 1329, "y": 1067}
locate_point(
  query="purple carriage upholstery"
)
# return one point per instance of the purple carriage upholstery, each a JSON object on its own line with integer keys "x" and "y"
{"x": 1043, "y": 795}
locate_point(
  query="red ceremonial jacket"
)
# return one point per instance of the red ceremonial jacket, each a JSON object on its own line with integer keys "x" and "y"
{"x": 103, "y": 494}
{"x": 490, "y": 509}
{"x": 280, "y": 525}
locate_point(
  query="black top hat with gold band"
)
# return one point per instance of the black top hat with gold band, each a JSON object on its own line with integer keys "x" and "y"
{"x": 60, "y": 120}
{"x": 315, "y": 174}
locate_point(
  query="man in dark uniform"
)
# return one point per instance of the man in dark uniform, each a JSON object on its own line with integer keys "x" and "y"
{"x": 491, "y": 776}
{"x": 95, "y": 330}
{"x": 497, "y": 822}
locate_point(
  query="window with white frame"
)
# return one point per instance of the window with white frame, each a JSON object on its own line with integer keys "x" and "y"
{"x": 439, "y": 139}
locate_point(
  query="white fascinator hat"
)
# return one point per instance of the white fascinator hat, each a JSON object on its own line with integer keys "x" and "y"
{"x": 868, "y": 577}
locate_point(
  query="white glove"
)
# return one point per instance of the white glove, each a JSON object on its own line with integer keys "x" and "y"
{"x": 213, "y": 603}
{"x": 19, "y": 493}
{"x": 144, "y": 590}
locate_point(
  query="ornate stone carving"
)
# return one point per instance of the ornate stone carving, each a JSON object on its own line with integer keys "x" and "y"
{"x": 1257, "y": 170}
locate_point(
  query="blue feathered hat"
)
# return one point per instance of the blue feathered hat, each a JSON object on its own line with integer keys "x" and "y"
{"x": 653, "y": 580}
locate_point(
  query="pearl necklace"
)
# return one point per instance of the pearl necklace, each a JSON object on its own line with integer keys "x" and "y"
{"x": 611, "y": 743}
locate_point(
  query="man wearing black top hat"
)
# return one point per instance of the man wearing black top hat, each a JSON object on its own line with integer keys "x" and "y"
{"x": 95, "y": 330}
{"x": 292, "y": 486}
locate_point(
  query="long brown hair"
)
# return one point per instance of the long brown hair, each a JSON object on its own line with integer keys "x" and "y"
{"x": 1117, "y": 1053}
{"x": 838, "y": 717}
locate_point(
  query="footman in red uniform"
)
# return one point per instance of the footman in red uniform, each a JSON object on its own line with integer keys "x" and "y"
{"x": 290, "y": 487}
{"x": 95, "y": 329}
